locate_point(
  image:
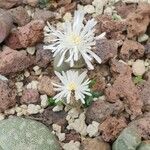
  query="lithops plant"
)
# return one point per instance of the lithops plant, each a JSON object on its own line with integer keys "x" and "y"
{"x": 129, "y": 139}
{"x": 145, "y": 145}
{"x": 25, "y": 134}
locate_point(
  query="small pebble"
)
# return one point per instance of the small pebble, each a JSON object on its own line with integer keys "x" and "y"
{"x": 108, "y": 11}
{"x": 58, "y": 108}
{"x": 72, "y": 145}
{"x": 37, "y": 70}
{"x": 44, "y": 101}
{"x": 26, "y": 74}
{"x": 41, "y": 111}
{"x": 10, "y": 111}
{"x": 31, "y": 50}
{"x": 61, "y": 136}
{"x": 67, "y": 17}
{"x": 92, "y": 129}
{"x": 138, "y": 67}
{"x": 3, "y": 78}
{"x": 89, "y": 9}
{"x": 32, "y": 109}
{"x": 56, "y": 128}
{"x": 19, "y": 86}
{"x": 33, "y": 85}
{"x": 2, "y": 116}
{"x": 78, "y": 125}
{"x": 143, "y": 38}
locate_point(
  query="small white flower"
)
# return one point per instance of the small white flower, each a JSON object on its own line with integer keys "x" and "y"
{"x": 72, "y": 83}
{"x": 75, "y": 40}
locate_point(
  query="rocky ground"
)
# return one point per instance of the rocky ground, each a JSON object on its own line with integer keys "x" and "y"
{"x": 119, "y": 118}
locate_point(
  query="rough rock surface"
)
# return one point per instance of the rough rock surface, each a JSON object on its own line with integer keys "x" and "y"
{"x": 44, "y": 15}
{"x": 113, "y": 29}
{"x": 123, "y": 9}
{"x": 147, "y": 50}
{"x": 19, "y": 133}
{"x": 72, "y": 135}
{"x": 131, "y": 50}
{"x": 124, "y": 89}
{"x": 43, "y": 56}
{"x": 145, "y": 145}
{"x": 26, "y": 36}
{"x": 48, "y": 117}
{"x": 100, "y": 110}
{"x": 127, "y": 140}
{"x": 45, "y": 86}
{"x": 98, "y": 76}
{"x": 118, "y": 68}
{"x": 19, "y": 15}
{"x": 86, "y": 1}
{"x": 111, "y": 128}
{"x": 144, "y": 92}
{"x": 7, "y": 95}
{"x": 6, "y": 24}
{"x": 138, "y": 21}
{"x": 94, "y": 144}
{"x": 106, "y": 49}
{"x": 13, "y": 61}
{"x": 29, "y": 96}
{"x": 6, "y": 4}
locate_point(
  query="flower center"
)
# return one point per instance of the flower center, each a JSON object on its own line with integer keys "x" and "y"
{"x": 75, "y": 39}
{"x": 72, "y": 86}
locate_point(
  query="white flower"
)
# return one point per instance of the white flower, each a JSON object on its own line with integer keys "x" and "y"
{"x": 75, "y": 41}
{"x": 72, "y": 83}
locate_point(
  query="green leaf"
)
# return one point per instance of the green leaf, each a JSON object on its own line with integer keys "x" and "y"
{"x": 51, "y": 101}
{"x": 89, "y": 99}
{"x": 137, "y": 79}
{"x": 43, "y": 3}
{"x": 92, "y": 83}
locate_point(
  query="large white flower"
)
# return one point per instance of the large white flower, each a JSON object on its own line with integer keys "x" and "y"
{"x": 72, "y": 83}
{"x": 75, "y": 40}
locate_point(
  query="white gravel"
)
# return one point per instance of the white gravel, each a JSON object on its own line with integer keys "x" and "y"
{"x": 138, "y": 67}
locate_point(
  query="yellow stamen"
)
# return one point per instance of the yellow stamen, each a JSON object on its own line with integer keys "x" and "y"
{"x": 72, "y": 86}
{"x": 75, "y": 39}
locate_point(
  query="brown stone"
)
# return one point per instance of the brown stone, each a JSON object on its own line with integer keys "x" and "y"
{"x": 7, "y": 4}
{"x": 72, "y": 135}
{"x": 124, "y": 10}
{"x": 45, "y": 86}
{"x": 48, "y": 117}
{"x": 43, "y": 56}
{"x": 118, "y": 68}
{"x": 19, "y": 15}
{"x": 6, "y": 24}
{"x": 131, "y": 50}
{"x": 94, "y": 144}
{"x": 100, "y": 110}
{"x": 142, "y": 126}
{"x": 144, "y": 92}
{"x": 138, "y": 21}
{"x": 111, "y": 128}
{"x": 26, "y": 36}
{"x": 29, "y": 96}
{"x": 106, "y": 49}
{"x": 32, "y": 2}
{"x": 98, "y": 77}
{"x": 12, "y": 61}
{"x": 147, "y": 50}
{"x": 124, "y": 89}
{"x": 114, "y": 29}
{"x": 7, "y": 96}
{"x": 85, "y": 2}
{"x": 45, "y": 15}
